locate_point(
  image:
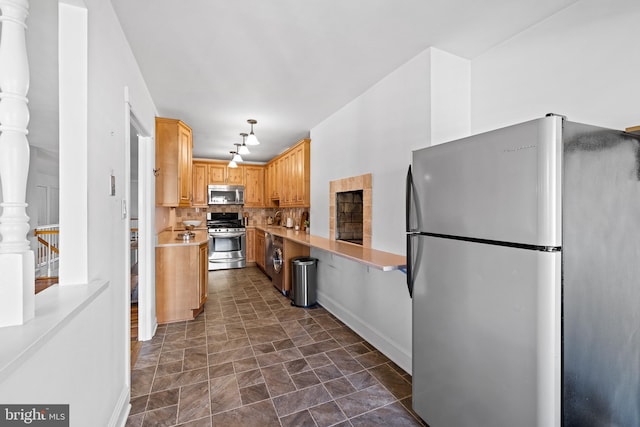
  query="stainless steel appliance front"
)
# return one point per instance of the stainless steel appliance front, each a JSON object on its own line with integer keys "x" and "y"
{"x": 225, "y": 194}
{"x": 522, "y": 257}
{"x": 227, "y": 241}
{"x": 276, "y": 263}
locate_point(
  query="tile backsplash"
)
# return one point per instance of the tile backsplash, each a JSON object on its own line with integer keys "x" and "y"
{"x": 257, "y": 216}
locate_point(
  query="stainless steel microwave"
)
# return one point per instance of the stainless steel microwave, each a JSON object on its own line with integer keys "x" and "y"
{"x": 226, "y": 194}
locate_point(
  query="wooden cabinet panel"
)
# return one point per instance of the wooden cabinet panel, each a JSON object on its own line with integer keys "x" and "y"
{"x": 273, "y": 180}
{"x": 254, "y": 186}
{"x": 302, "y": 175}
{"x": 279, "y": 190}
{"x": 199, "y": 184}
{"x": 268, "y": 184}
{"x": 203, "y": 268}
{"x": 185, "y": 175}
{"x": 289, "y": 176}
{"x": 260, "y": 249}
{"x": 251, "y": 245}
{"x": 181, "y": 282}
{"x": 174, "y": 147}
{"x": 217, "y": 173}
{"x": 285, "y": 171}
{"x": 235, "y": 176}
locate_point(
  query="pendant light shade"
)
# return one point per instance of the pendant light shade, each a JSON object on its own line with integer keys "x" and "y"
{"x": 233, "y": 163}
{"x": 243, "y": 149}
{"x": 252, "y": 140}
{"x": 236, "y": 157}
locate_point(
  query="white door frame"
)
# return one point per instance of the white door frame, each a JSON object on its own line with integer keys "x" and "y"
{"x": 147, "y": 321}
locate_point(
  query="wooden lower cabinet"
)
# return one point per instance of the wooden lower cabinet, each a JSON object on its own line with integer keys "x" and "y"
{"x": 181, "y": 281}
{"x": 260, "y": 249}
{"x": 250, "y": 244}
{"x": 203, "y": 283}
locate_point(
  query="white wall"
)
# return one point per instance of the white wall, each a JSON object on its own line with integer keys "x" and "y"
{"x": 374, "y": 133}
{"x": 425, "y": 100}
{"x": 93, "y": 347}
{"x": 112, "y": 66}
{"x": 581, "y": 62}
{"x": 74, "y": 367}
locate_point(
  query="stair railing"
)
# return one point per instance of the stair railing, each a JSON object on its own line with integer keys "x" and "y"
{"x": 47, "y": 251}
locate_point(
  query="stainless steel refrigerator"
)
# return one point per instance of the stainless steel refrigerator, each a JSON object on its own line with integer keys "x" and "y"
{"x": 523, "y": 249}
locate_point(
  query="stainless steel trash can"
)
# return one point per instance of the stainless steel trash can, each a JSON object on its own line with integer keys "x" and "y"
{"x": 303, "y": 281}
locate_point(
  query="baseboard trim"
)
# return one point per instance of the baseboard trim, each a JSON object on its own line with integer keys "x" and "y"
{"x": 121, "y": 410}
{"x": 384, "y": 344}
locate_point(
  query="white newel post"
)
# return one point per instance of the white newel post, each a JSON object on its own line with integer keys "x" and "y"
{"x": 17, "y": 273}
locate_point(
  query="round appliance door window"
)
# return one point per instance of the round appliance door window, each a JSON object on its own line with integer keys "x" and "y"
{"x": 277, "y": 260}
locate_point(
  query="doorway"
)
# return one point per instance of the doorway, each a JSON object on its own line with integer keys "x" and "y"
{"x": 138, "y": 219}
{"x": 134, "y": 230}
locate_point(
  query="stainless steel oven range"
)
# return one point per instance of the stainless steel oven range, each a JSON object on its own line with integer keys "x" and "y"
{"x": 227, "y": 240}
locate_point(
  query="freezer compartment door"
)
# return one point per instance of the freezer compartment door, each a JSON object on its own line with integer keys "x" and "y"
{"x": 486, "y": 335}
{"x": 502, "y": 185}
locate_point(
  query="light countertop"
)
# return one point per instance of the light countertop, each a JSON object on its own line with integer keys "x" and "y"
{"x": 381, "y": 260}
{"x": 169, "y": 238}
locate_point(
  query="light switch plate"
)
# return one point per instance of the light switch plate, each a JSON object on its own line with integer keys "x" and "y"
{"x": 112, "y": 185}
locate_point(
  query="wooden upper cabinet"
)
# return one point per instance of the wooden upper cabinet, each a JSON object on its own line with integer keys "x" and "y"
{"x": 200, "y": 184}
{"x": 291, "y": 176}
{"x": 219, "y": 173}
{"x": 301, "y": 160}
{"x": 235, "y": 176}
{"x": 254, "y": 186}
{"x": 287, "y": 180}
{"x": 174, "y": 151}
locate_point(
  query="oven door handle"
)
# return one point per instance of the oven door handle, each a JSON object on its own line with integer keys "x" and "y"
{"x": 227, "y": 235}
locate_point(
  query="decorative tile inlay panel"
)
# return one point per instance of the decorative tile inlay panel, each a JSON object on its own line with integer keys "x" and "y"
{"x": 363, "y": 184}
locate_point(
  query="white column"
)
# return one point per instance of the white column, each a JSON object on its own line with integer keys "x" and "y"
{"x": 73, "y": 112}
{"x": 16, "y": 259}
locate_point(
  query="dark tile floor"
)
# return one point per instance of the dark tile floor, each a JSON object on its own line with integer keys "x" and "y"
{"x": 251, "y": 359}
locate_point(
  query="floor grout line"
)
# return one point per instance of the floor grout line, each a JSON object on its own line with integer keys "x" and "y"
{"x": 247, "y": 314}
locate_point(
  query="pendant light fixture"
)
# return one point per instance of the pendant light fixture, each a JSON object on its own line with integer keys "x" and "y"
{"x": 243, "y": 149}
{"x": 236, "y": 157}
{"x": 232, "y": 164}
{"x": 252, "y": 140}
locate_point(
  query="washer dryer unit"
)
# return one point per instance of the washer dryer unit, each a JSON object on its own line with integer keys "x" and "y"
{"x": 276, "y": 263}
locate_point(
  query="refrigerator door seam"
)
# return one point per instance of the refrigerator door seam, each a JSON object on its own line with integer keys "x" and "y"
{"x": 494, "y": 242}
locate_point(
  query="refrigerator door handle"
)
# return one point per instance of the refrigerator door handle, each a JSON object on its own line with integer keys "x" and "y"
{"x": 409, "y": 191}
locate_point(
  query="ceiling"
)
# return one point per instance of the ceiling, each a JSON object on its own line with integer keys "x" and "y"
{"x": 290, "y": 64}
